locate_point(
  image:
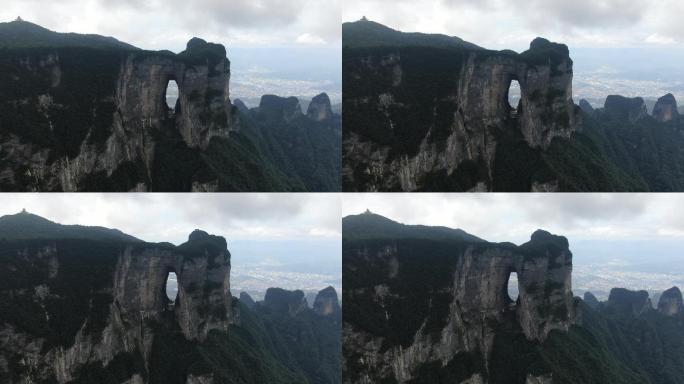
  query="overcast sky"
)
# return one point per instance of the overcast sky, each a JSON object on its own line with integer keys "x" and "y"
{"x": 513, "y": 217}
{"x": 171, "y": 217}
{"x": 513, "y": 24}
{"x": 169, "y": 24}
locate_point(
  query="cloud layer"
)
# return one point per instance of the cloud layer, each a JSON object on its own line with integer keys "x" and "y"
{"x": 169, "y": 24}
{"x": 500, "y": 23}
{"x": 171, "y": 217}
{"x": 513, "y": 217}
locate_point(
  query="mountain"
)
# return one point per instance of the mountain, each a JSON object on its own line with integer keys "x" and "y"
{"x": 646, "y": 151}
{"x": 372, "y": 226}
{"x": 25, "y": 225}
{"x": 304, "y": 147}
{"x": 435, "y": 310}
{"x": 23, "y": 34}
{"x": 421, "y": 117}
{"x": 366, "y": 33}
{"x": 86, "y": 113}
{"x": 287, "y": 316}
{"x": 90, "y": 307}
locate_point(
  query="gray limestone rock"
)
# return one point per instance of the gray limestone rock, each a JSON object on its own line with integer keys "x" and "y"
{"x": 670, "y": 302}
{"x": 665, "y": 109}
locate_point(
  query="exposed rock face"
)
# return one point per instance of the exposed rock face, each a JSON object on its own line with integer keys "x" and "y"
{"x": 326, "y": 302}
{"x": 202, "y": 73}
{"x": 625, "y": 108}
{"x": 203, "y": 272}
{"x": 629, "y": 302}
{"x": 136, "y": 301}
{"x": 319, "y": 108}
{"x": 404, "y": 120}
{"x": 129, "y": 112}
{"x": 240, "y": 105}
{"x": 670, "y": 302}
{"x": 665, "y": 109}
{"x": 247, "y": 300}
{"x": 591, "y": 300}
{"x": 586, "y": 106}
{"x": 281, "y": 300}
{"x": 276, "y": 107}
{"x": 460, "y": 309}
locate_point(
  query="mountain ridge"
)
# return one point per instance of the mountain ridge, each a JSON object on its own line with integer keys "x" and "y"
{"x": 27, "y": 226}
{"x": 24, "y": 34}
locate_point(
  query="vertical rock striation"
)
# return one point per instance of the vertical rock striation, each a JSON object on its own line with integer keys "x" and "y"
{"x": 431, "y": 301}
{"x": 120, "y": 318}
{"x": 123, "y": 114}
{"x": 413, "y": 112}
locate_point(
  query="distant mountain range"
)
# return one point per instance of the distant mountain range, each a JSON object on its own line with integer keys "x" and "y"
{"x": 87, "y": 113}
{"x": 431, "y": 309}
{"x": 431, "y": 113}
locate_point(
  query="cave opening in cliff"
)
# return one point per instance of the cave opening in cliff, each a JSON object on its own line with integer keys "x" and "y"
{"x": 514, "y": 96}
{"x": 171, "y": 289}
{"x": 513, "y": 287}
{"x": 171, "y": 94}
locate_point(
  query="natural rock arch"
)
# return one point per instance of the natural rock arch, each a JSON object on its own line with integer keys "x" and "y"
{"x": 512, "y": 296}
{"x": 171, "y": 300}
{"x": 172, "y": 108}
{"x": 514, "y": 103}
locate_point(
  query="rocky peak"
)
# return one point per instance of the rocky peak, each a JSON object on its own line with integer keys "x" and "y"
{"x": 276, "y": 107}
{"x": 591, "y": 300}
{"x": 319, "y": 108}
{"x": 586, "y": 106}
{"x": 241, "y": 106}
{"x": 665, "y": 109}
{"x": 542, "y": 44}
{"x": 284, "y": 301}
{"x": 247, "y": 300}
{"x": 670, "y": 302}
{"x": 625, "y": 108}
{"x": 326, "y": 302}
{"x": 630, "y": 302}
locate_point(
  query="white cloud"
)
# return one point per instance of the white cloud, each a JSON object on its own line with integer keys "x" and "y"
{"x": 171, "y": 217}
{"x": 502, "y": 24}
{"x": 169, "y": 24}
{"x": 307, "y": 38}
{"x": 657, "y": 38}
{"x": 513, "y": 217}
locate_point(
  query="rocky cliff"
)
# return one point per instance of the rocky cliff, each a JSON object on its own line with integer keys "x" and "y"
{"x": 66, "y": 310}
{"x": 305, "y": 147}
{"x": 309, "y": 340}
{"x": 413, "y": 112}
{"x": 670, "y": 302}
{"x": 665, "y": 109}
{"x": 625, "y": 108}
{"x": 101, "y": 115}
{"x": 326, "y": 303}
{"x": 89, "y": 113}
{"x": 415, "y": 302}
